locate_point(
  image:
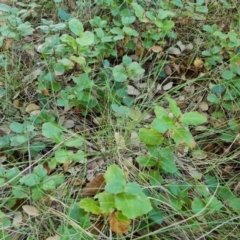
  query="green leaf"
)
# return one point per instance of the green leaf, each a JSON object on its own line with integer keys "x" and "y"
{"x": 219, "y": 88}
{"x": 175, "y": 110}
{"x": 156, "y": 215}
{"x": 181, "y": 135}
{"x": 130, "y": 31}
{"x": 20, "y": 192}
{"x": 89, "y": 205}
{"x": 160, "y": 112}
{"x": 197, "y": 205}
{"x": 150, "y": 136}
{"x": 235, "y": 204}
{"x": 193, "y": 118}
{"x": 63, "y": 155}
{"x": 133, "y": 188}
{"x": 121, "y": 110}
{"x": 74, "y": 142}
{"x": 214, "y": 204}
{"x": 132, "y": 206}
{"x": 119, "y": 73}
{"x": 30, "y": 180}
{"x": 213, "y": 98}
{"x": 76, "y": 26}
{"x": 113, "y": 174}
{"x": 163, "y": 125}
{"x": 139, "y": 11}
{"x": 86, "y": 39}
{"x": 17, "y": 127}
{"x": 106, "y": 201}
{"x": 167, "y": 160}
{"x": 155, "y": 178}
{"x": 146, "y": 161}
{"x": 79, "y": 156}
{"x": 228, "y": 75}
{"x": 50, "y": 130}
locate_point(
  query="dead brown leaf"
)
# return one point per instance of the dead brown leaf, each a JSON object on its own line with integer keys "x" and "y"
{"x": 45, "y": 92}
{"x": 30, "y": 210}
{"x": 118, "y": 225}
{"x": 93, "y": 187}
{"x": 156, "y": 49}
{"x": 32, "y": 107}
{"x": 16, "y": 103}
{"x": 7, "y": 44}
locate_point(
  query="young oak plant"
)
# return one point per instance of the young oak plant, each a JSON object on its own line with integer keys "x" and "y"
{"x": 120, "y": 202}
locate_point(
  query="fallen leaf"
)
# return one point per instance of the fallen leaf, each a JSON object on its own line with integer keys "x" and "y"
{"x": 7, "y": 44}
{"x": 32, "y": 107}
{"x": 16, "y": 103}
{"x": 55, "y": 237}
{"x": 132, "y": 90}
{"x": 119, "y": 226}
{"x": 119, "y": 140}
{"x": 17, "y": 219}
{"x": 203, "y": 106}
{"x": 30, "y": 210}
{"x": 93, "y": 187}
{"x": 168, "y": 70}
{"x": 69, "y": 124}
{"x": 174, "y": 51}
{"x": 45, "y": 92}
{"x": 156, "y": 49}
{"x": 168, "y": 86}
{"x": 199, "y": 154}
{"x": 194, "y": 173}
{"x": 181, "y": 46}
{"x": 32, "y": 76}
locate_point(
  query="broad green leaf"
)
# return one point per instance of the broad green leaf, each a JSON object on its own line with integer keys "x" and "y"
{"x": 214, "y": 204}
{"x": 146, "y": 161}
{"x": 139, "y": 11}
{"x": 132, "y": 206}
{"x": 30, "y": 180}
{"x": 160, "y": 112}
{"x": 155, "y": 178}
{"x": 181, "y": 135}
{"x": 228, "y": 75}
{"x": 114, "y": 187}
{"x": 197, "y": 205}
{"x": 106, "y": 201}
{"x": 163, "y": 125}
{"x": 48, "y": 184}
{"x": 115, "y": 174}
{"x": 213, "y": 98}
{"x": 134, "y": 69}
{"x": 18, "y": 140}
{"x": 17, "y": 127}
{"x": 79, "y": 156}
{"x": 50, "y": 130}
{"x": 234, "y": 203}
{"x": 20, "y": 191}
{"x": 156, "y": 215}
{"x": 74, "y": 142}
{"x": 86, "y": 39}
{"x": 130, "y": 31}
{"x": 175, "y": 110}
{"x": 121, "y": 110}
{"x": 150, "y": 136}
{"x": 76, "y": 26}
{"x": 63, "y": 155}
{"x": 119, "y": 73}
{"x": 40, "y": 171}
{"x": 193, "y": 118}
{"x": 167, "y": 160}
{"x": 219, "y": 88}
{"x": 89, "y": 205}
{"x": 133, "y": 188}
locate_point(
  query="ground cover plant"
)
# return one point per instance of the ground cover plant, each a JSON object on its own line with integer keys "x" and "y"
{"x": 119, "y": 119}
